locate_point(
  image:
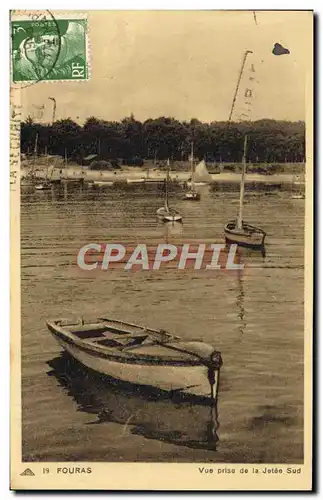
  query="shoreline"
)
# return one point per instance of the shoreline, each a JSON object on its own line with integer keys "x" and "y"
{"x": 134, "y": 174}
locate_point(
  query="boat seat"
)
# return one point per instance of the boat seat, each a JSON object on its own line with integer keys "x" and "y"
{"x": 122, "y": 342}
{"x": 94, "y": 339}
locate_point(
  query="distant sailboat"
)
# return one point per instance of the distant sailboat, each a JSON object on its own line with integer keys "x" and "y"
{"x": 237, "y": 231}
{"x": 202, "y": 175}
{"x": 46, "y": 185}
{"x": 42, "y": 185}
{"x": 31, "y": 174}
{"x": 166, "y": 213}
{"x": 297, "y": 191}
{"x": 192, "y": 194}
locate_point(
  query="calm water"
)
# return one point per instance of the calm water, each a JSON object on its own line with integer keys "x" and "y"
{"x": 255, "y": 319}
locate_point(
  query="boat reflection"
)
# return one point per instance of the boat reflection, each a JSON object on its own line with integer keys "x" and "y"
{"x": 142, "y": 411}
{"x": 241, "y": 255}
{"x": 172, "y": 230}
{"x": 240, "y": 303}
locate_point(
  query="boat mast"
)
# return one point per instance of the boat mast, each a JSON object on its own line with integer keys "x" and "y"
{"x": 238, "y": 82}
{"x": 192, "y": 166}
{"x": 244, "y": 164}
{"x": 47, "y": 162}
{"x": 51, "y": 174}
{"x": 239, "y": 220}
{"x": 166, "y": 186}
{"x": 35, "y": 156}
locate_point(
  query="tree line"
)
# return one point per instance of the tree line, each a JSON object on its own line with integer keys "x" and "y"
{"x": 164, "y": 137}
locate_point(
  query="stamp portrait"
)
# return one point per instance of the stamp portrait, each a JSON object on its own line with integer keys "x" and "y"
{"x": 49, "y": 49}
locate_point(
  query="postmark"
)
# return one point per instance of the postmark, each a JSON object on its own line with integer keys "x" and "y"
{"x": 47, "y": 47}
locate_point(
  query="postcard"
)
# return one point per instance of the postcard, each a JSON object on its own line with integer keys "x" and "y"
{"x": 161, "y": 180}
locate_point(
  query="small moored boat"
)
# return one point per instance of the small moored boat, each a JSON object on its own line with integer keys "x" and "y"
{"x": 142, "y": 356}
{"x": 136, "y": 181}
{"x": 166, "y": 213}
{"x": 248, "y": 235}
{"x": 102, "y": 183}
{"x": 192, "y": 194}
{"x": 298, "y": 191}
{"x": 239, "y": 232}
{"x": 169, "y": 214}
{"x": 201, "y": 175}
{"x": 43, "y": 186}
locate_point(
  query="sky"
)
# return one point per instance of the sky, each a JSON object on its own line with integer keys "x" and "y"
{"x": 184, "y": 64}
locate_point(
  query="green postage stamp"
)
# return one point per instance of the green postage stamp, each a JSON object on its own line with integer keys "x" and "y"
{"x": 45, "y": 47}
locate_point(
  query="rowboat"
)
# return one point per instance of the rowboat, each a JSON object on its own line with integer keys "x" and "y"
{"x": 166, "y": 213}
{"x": 181, "y": 421}
{"x": 192, "y": 194}
{"x": 143, "y": 356}
{"x": 238, "y": 231}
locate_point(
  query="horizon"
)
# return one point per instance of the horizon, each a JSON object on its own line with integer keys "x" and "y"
{"x": 186, "y": 121}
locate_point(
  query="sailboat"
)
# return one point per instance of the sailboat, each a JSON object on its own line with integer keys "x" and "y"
{"x": 32, "y": 174}
{"x": 46, "y": 184}
{"x": 192, "y": 194}
{"x": 43, "y": 185}
{"x": 166, "y": 213}
{"x": 238, "y": 231}
{"x": 202, "y": 175}
{"x": 297, "y": 192}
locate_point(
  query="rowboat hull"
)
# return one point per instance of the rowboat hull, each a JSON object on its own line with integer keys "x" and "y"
{"x": 248, "y": 236}
{"x": 189, "y": 380}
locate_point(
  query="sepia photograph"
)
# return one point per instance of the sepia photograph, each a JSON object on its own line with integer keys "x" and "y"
{"x": 161, "y": 232}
